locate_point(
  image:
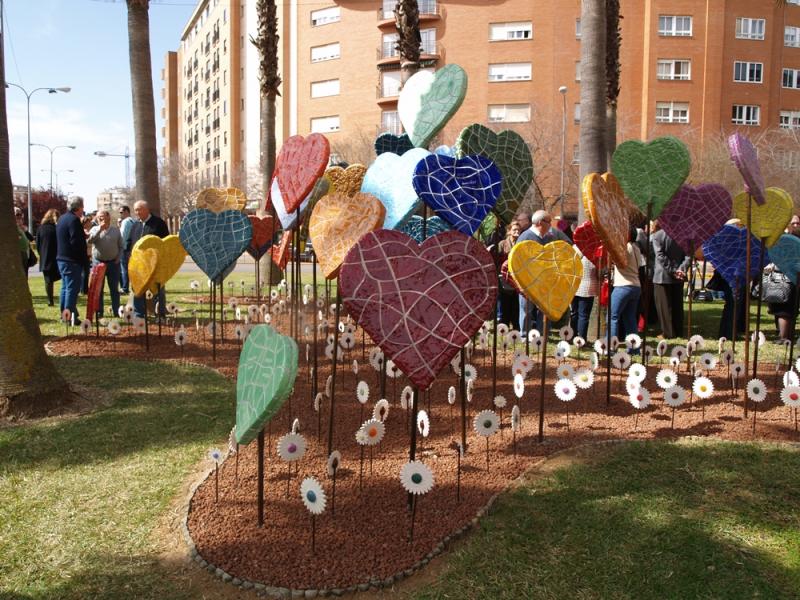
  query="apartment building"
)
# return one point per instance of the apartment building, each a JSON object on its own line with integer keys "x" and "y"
{"x": 691, "y": 68}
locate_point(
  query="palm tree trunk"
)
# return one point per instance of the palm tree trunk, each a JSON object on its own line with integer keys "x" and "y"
{"x": 613, "y": 41}
{"x": 144, "y": 115}
{"x": 406, "y": 18}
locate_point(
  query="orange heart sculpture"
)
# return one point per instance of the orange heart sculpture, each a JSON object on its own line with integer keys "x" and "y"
{"x": 346, "y": 181}
{"x": 170, "y": 257}
{"x": 280, "y": 252}
{"x": 338, "y": 222}
{"x": 219, "y": 199}
{"x": 141, "y": 269}
{"x": 609, "y": 213}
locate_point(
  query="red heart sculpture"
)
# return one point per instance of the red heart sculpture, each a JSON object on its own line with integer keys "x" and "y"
{"x": 300, "y": 163}
{"x": 263, "y": 232}
{"x": 280, "y": 252}
{"x": 96, "y": 283}
{"x": 589, "y": 243}
{"x": 419, "y": 303}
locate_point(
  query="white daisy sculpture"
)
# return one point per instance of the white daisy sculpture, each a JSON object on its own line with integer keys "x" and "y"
{"x": 584, "y": 379}
{"x": 314, "y": 500}
{"x": 565, "y": 390}
{"x": 790, "y": 396}
{"x": 380, "y": 411}
{"x": 708, "y": 361}
{"x": 640, "y": 400}
{"x": 565, "y": 371}
{"x": 562, "y": 350}
{"x": 519, "y": 385}
{"x": 362, "y": 392}
{"x": 674, "y": 397}
{"x": 486, "y": 423}
{"x": 291, "y": 447}
{"x": 423, "y": 423}
{"x": 666, "y": 378}
{"x": 633, "y": 341}
{"x": 451, "y": 395}
{"x": 790, "y": 378}
{"x": 566, "y": 333}
{"x": 417, "y": 479}
{"x": 757, "y": 392}
{"x": 407, "y": 397}
{"x": 703, "y": 387}
{"x": 638, "y": 372}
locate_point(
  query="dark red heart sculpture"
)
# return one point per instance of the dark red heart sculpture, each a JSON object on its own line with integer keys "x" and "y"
{"x": 96, "y": 283}
{"x": 300, "y": 163}
{"x": 263, "y": 232}
{"x": 419, "y": 303}
{"x": 280, "y": 252}
{"x": 589, "y": 243}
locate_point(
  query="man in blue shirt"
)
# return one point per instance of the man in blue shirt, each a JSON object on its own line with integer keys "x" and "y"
{"x": 72, "y": 255}
{"x": 125, "y": 227}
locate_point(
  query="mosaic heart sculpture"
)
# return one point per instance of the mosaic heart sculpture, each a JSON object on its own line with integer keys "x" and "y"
{"x": 266, "y": 375}
{"x": 589, "y": 243}
{"x": 171, "y": 256}
{"x": 609, "y": 214}
{"x": 511, "y": 155}
{"x": 396, "y": 144}
{"x": 263, "y": 232}
{"x": 289, "y": 220}
{"x": 280, "y": 252}
{"x": 652, "y": 171}
{"x": 96, "y": 282}
{"x": 219, "y": 199}
{"x": 347, "y": 181}
{"x": 428, "y": 100}
{"x": 549, "y": 275}
{"x": 419, "y": 303}
{"x": 768, "y": 219}
{"x": 299, "y": 164}
{"x": 338, "y": 222}
{"x": 389, "y": 179}
{"x": 446, "y": 150}
{"x": 215, "y": 240}
{"x": 786, "y": 255}
{"x": 727, "y": 251}
{"x": 141, "y": 269}
{"x": 413, "y": 227}
{"x": 460, "y": 190}
{"x": 745, "y": 157}
{"x": 695, "y": 214}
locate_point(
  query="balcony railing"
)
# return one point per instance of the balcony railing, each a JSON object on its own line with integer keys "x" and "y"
{"x": 216, "y": 153}
{"x": 427, "y": 8}
{"x": 208, "y": 129}
{"x": 215, "y": 124}
{"x": 208, "y": 156}
{"x": 387, "y": 91}
{"x": 393, "y": 127}
{"x": 215, "y": 95}
{"x": 207, "y": 102}
{"x": 389, "y": 50}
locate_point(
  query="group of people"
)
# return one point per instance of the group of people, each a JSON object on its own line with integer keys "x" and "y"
{"x": 70, "y": 244}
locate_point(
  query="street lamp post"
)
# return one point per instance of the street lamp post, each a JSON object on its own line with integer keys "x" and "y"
{"x": 28, "y": 95}
{"x": 56, "y": 173}
{"x": 127, "y": 157}
{"x": 52, "y": 150}
{"x": 563, "y": 91}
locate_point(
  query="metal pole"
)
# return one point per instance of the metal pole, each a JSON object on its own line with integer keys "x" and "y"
{"x": 30, "y": 201}
{"x": 563, "y": 145}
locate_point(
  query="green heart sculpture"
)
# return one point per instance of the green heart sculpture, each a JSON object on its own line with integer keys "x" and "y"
{"x": 267, "y": 370}
{"x": 511, "y": 155}
{"x": 652, "y": 171}
{"x": 428, "y": 100}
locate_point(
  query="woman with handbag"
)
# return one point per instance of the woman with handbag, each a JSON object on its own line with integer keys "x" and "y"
{"x": 780, "y": 294}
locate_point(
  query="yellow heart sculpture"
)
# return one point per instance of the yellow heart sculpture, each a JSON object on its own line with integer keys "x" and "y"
{"x": 141, "y": 269}
{"x": 549, "y": 275}
{"x": 338, "y": 222}
{"x": 171, "y": 256}
{"x": 346, "y": 181}
{"x": 768, "y": 219}
{"x": 609, "y": 213}
{"x": 219, "y": 199}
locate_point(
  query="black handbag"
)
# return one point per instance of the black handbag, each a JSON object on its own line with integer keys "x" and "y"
{"x": 775, "y": 288}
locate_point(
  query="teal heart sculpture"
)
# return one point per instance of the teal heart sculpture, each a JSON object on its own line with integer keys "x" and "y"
{"x": 511, "y": 155}
{"x": 434, "y": 225}
{"x": 389, "y": 178}
{"x": 785, "y": 253}
{"x": 428, "y": 100}
{"x": 215, "y": 240}
{"x": 267, "y": 370}
{"x": 389, "y": 142}
{"x": 651, "y": 172}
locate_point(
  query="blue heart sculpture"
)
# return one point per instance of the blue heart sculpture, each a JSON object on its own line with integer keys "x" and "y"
{"x": 785, "y": 253}
{"x": 396, "y": 144}
{"x": 389, "y": 179}
{"x": 414, "y": 227}
{"x": 215, "y": 240}
{"x": 445, "y": 150}
{"x": 727, "y": 251}
{"x": 460, "y": 190}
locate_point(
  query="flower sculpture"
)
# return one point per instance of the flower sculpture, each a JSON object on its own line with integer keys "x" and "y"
{"x": 666, "y": 378}
{"x": 674, "y": 396}
{"x": 416, "y": 478}
{"x": 519, "y": 385}
{"x": 640, "y": 399}
{"x": 313, "y": 496}
{"x": 291, "y": 447}
{"x": 633, "y": 341}
{"x": 180, "y": 337}
{"x": 362, "y": 392}
{"x": 486, "y": 423}
{"x": 756, "y": 390}
{"x": 562, "y": 349}
{"x": 381, "y": 410}
{"x": 407, "y": 397}
{"x": 86, "y": 327}
{"x": 708, "y": 361}
{"x": 637, "y": 371}
{"x": 114, "y": 327}
{"x": 566, "y": 333}
{"x": 584, "y": 379}
{"x": 515, "y": 418}
{"x": 423, "y": 423}
{"x": 500, "y": 402}
{"x": 451, "y": 395}
{"x": 790, "y": 396}
{"x": 703, "y": 387}
{"x": 371, "y": 433}
{"x": 565, "y": 390}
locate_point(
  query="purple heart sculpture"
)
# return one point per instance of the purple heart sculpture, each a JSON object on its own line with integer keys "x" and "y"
{"x": 462, "y": 191}
{"x": 785, "y": 253}
{"x": 745, "y": 157}
{"x": 727, "y": 249}
{"x": 695, "y": 214}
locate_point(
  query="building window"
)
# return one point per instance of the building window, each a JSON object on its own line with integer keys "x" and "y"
{"x": 790, "y": 119}
{"x": 791, "y": 36}
{"x": 389, "y": 45}
{"x": 674, "y": 69}
{"x": 428, "y": 38}
{"x": 577, "y": 70}
{"x": 390, "y": 84}
{"x": 672, "y": 112}
{"x": 326, "y": 52}
{"x": 325, "y": 124}
{"x": 509, "y": 113}
{"x": 672, "y": 25}
{"x": 791, "y": 78}
{"x": 747, "y": 72}
{"x": 789, "y": 160}
{"x": 577, "y": 29}
{"x": 746, "y": 114}
{"x": 325, "y": 16}
{"x": 329, "y": 87}
{"x": 576, "y": 113}
{"x": 519, "y": 30}
{"x": 750, "y": 29}
{"x": 576, "y": 154}
{"x": 390, "y": 122}
{"x": 510, "y": 72}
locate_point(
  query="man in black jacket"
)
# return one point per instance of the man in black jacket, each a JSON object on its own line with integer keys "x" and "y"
{"x": 146, "y": 224}
{"x": 72, "y": 255}
{"x": 670, "y": 267}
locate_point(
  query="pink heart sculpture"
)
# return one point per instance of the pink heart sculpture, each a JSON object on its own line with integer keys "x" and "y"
{"x": 694, "y": 214}
{"x": 419, "y": 303}
{"x": 744, "y": 156}
{"x": 300, "y": 163}
{"x": 589, "y": 243}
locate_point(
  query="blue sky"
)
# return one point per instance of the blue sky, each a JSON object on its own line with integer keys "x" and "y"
{"x": 82, "y": 44}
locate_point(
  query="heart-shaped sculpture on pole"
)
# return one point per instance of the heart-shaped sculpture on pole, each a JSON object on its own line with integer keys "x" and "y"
{"x": 266, "y": 375}
{"x": 434, "y": 225}
{"x": 727, "y": 251}
{"x": 263, "y": 231}
{"x": 744, "y": 156}
{"x": 289, "y": 220}
{"x": 460, "y": 190}
{"x": 695, "y": 214}
{"x": 280, "y": 252}
{"x": 396, "y": 144}
{"x": 171, "y": 256}
{"x": 609, "y": 214}
{"x": 419, "y": 303}
{"x": 338, "y": 222}
{"x": 215, "y": 240}
{"x": 96, "y": 282}
{"x": 650, "y": 173}
{"x": 345, "y": 182}
{"x": 589, "y": 243}
{"x": 389, "y": 179}
{"x": 142, "y": 266}
{"x": 300, "y": 163}
{"x": 428, "y": 100}
{"x": 219, "y": 199}
{"x": 549, "y": 275}
{"x": 508, "y": 150}
{"x": 768, "y": 219}
{"x": 786, "y": 255}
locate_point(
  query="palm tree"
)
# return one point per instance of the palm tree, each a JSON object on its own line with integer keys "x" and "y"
{"x": 613, "y": 40}
{"x": 144, "y": 114}
{"x": 409, "y": 42}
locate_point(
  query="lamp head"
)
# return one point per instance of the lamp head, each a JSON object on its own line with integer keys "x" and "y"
{"x": 71, "y": 147}
{"x": 562, "y": 89}
{"x": 99, "y": 153}
{"x": 66, "y": 90}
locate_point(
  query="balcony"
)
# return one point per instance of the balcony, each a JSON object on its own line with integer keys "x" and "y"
{"x": 189, "y": 118}
{"x": 389, "y": 55}
{"x": 429, "y": 10}
{"x": 215, "y": 95}
{"x": 393, "y": 127}
{"x": 215, "y": 36}
{"x": 208, "y": 156}
{"x": 207, "y": 74}
{"x": 207, "y": 102}
{"x": 216, "y": 153}
{"x": 207, "y": 46}
{"x": 196, "y": 162}
{"x": 215, "y": 66}
{"x": 208, "y": 129}
{"x": 194, "y": 63}
{"x": 215, "y": 124}
{"x": 387, "y": 94}
{"x": 194, "y": 87}
{"x": 189, "y": 142}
